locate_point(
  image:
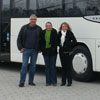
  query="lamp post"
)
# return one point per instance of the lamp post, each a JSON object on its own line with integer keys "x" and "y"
{"x": 74, "y": 3}
{"x": 12, "y": 4}
{"x": 63, "y": 6}
{"x": 37, "y": 7}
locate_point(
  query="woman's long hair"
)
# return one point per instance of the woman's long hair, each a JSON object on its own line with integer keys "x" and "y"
{"x": 66, "y": 24}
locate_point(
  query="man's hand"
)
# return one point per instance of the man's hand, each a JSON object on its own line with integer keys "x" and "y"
{"x": 22, "y": 50}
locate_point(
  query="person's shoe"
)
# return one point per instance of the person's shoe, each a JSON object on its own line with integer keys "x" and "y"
{"x": 69, "y": 84}
{"x": 63, "y": 84}
{"x": 48, "y": 84}
{"x": 32, "y": 84}
{"x": 54, "y": 84}
{"x": 21, "y": 85}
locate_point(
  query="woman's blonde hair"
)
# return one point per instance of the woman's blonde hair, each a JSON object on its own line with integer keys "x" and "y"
{"x": 66, "y": 24}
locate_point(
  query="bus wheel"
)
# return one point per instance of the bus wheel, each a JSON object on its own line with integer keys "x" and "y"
{"x": 81, "y": 64}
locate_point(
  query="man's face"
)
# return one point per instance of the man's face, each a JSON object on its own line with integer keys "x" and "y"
{"x": 33, "y": 20}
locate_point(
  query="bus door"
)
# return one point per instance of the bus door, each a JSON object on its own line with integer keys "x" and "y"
{"x": 5, "y": 31}
{"x": 0, "y": 26}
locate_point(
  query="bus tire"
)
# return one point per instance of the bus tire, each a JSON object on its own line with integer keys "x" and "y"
{"x": 81, "y": 64}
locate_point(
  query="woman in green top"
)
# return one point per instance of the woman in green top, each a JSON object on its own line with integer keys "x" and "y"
{"x": 49, "y": 51}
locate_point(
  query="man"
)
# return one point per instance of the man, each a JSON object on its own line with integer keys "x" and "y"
{"x": 28, "y": 43}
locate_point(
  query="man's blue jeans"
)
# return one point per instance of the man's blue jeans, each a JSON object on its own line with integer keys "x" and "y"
{"x": 32, "y": 54}
{"x": 51, "y": 77}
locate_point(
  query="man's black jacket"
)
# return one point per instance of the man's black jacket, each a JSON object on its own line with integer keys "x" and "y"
{"x": 22, "y": 36}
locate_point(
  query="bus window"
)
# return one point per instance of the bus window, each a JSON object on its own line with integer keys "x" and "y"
{"x": 46, "y": 8}
{"x": 57, "y": 8}
{"x": 63, "y": 8}
{"x": 18, "y": 8}
{"x": 93, "y": 8}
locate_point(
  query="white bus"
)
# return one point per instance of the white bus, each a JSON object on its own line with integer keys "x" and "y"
{"x": 82, "y": 15}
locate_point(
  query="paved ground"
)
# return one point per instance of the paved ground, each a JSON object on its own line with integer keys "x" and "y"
{"x": 9, "y": 90}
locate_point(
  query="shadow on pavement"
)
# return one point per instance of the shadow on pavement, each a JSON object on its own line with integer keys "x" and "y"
{"x": 39, "y": 70}
{"x": 17, "y": 67}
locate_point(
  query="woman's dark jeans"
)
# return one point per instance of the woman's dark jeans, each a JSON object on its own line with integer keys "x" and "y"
{"x": 50, "y": 62}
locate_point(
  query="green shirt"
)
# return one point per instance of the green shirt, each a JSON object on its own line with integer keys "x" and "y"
{"x": 47, "y": 38}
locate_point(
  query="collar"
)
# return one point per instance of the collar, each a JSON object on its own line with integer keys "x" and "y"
{"x": 63, "y": 33}
{"x": 31, "y": 26}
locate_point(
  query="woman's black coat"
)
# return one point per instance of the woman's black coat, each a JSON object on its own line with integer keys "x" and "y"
{"x": 53, "y": 42}
{"x": 69, "y": 43}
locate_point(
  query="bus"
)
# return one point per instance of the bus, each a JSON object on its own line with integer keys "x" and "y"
{"x": 82, "y": 15}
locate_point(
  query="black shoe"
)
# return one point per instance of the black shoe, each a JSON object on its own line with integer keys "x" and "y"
{"x": 32, "y": 84}
{"x": 63, "y": 84}
{"x": 69, "y": 84}
{"x": 54, "y": 84}
{"x": 48, "y": 84}
{"x": 21, "y": 85}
